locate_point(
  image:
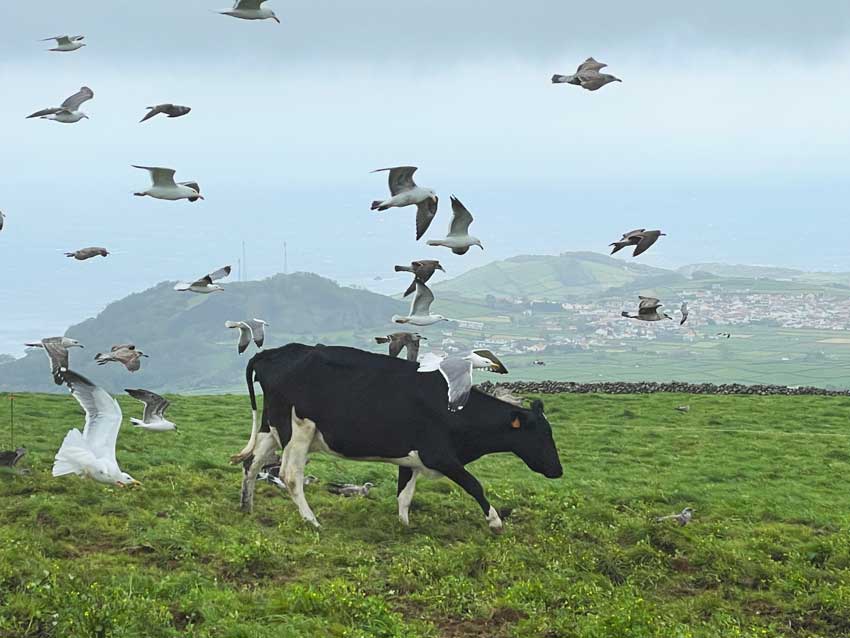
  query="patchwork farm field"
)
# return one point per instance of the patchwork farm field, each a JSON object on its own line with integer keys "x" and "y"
{"x": 768, "y": 552}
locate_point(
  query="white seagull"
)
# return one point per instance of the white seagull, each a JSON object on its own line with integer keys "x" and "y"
{"x": 250, "y": 10}
{"x": 2, "y": 219}
{"x": 153, "y": 418}
{"x": 205, "y": 284}
{"x": 91, "y": 453}
{"x": 685, "y": 312}
{"x": 457, "y": 371}
{"x": 69, "y": 112}
{"x": 56, "y": 349}
{"x": 253, "y": 329}
{"x": 458, "y": 239}
{"x": 65, "y": 43}
{"x": 420, "y": 309}
{"x": 164, "y": 187}
{"x": 405, "y": 192}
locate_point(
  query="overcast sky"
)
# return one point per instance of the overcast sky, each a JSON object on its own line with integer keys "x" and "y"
{"x": 730, "y": 132}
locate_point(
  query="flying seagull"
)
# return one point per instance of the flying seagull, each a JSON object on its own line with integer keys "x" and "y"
{"x": 91, "y": 454}
{"x": 126, "y": 355}
{"x": 641, "y": 239}
{"x": 250, "y": 10}
{"x": 405, "y": 192}
{"x": 69, "y": 112}
{"x": 458, "y": 239}
{"x": 56, "y": 349}
{"x": 171, "y": 110}
{"x": 422, "y": 271}
{"x": 66, "y": 43}
{"x": 420, "y": 309}
{"x": 587, "y": 76}
{"x": 153, "y": 418}
{"x": 683, "y": 518}
{"x": 399, "y": 340}
{"x": 648, "y": 310}
{"x": 164, "y": 187}
{"x": 205, "y": 284}
{"x": 2, "y": 219}
{"x": 724, "y": 334}
{"x": 253, "y": 329}
{"x": 348, "y": 490}
{"x": 457, "y": 371}
{"x": 684, "y": 311}
{"x": 87, "y": 253}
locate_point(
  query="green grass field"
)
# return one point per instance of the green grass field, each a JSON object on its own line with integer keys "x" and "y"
{"x": 768, "y": 553}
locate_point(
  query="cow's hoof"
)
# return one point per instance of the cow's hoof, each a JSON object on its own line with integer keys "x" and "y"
{"x": 238, "y": 458}
{"x": 404, "y": 521}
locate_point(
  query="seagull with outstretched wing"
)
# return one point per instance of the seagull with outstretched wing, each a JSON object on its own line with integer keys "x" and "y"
{"x": 69, "y": 111}
{"x": 405, "y": 192}
{"x": 66, "y": 43}
{"x": 205, "y": 284}
{"x": 153, "y": 418}
{"x": 250, "y": 330}
{"x": 457, "y": 371}
{"x": 458, "y": 239}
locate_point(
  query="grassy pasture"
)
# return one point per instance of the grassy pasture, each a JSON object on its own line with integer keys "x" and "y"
{"x": 768, "y": 553}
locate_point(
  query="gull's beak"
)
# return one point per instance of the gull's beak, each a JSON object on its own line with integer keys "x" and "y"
{"x": 136, "y": 483}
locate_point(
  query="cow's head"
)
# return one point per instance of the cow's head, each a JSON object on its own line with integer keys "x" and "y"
{"x": 531, "y": 440}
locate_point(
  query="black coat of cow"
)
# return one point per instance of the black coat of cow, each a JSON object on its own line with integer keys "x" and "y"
{"x": 371, "y": 406}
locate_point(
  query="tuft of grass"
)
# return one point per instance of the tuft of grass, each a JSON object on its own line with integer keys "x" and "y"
{"x": 768, "y": 552}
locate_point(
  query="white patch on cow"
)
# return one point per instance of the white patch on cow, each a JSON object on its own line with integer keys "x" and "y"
{"x": 295, "y": 456}
{"x": 494, "y": 521}
{"x": 264, "y": 453}
{"x": 405, "y": 497}
{"x": 248, "y": 450}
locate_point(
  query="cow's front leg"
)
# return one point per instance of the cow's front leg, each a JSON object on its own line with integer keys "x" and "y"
{"x": 295, "y": 456}
{"x": 457, "y": 473}
{"x": 406, "y": 487}
{"x": 263, "y": 450}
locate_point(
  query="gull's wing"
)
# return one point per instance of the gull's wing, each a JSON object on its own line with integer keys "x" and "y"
{"x": 258, "y": 331}
{"x": 103, "y": 414}
{"x": 425, "y": 213}
{"x": 401, "y": 178}
{"x": 499, "y": 367}
{"x": 429, "y": 362}
{"x": 154, "y": 110}
{"x": 422, "y": 301}
{"x": 132, "y": 361}
{"x": 458, "y": 375}
{"x": 645, "y": 242}
{"x": 159, "y": 176}
{"x": 248, "y": 4}
{"x": 221, "y": 273}
{"x": 155, "y": 405}
{"x": 461, "y": 219}
{"x": 412, "y": 348}
{"x": 424, "y": 268}
{"x": 44, "y": 112}
{"x": 648, "y": 305}
{"x": 632, "y": 233}
{"x": 58, "y": 355}
{"x": 83, "y": 95}
{"x": 245, "y": 333}
{"x": 60, "y": 40}
{"x": 395, "y": 345}
{"x": 684, "y": 311}
{"x": 590, "y": 65}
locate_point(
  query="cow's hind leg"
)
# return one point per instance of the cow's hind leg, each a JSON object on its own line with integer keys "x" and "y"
{"x": 264, "y": 451}
{"x": 406, "y": 487}
{"x": 457, "y": 473}
{"x": 295, "y": 453}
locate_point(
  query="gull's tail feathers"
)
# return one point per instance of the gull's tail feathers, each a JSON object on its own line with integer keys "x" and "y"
{"x": 72, "y": 456}
{"x": 560, "y": 79}
{"x": 382, "y": 340}
{"x": 376, "y": 205}
{"x": 403, "y": 269}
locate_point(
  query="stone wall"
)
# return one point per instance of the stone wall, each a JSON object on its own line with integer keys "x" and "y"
{"x": 619, "y": 387}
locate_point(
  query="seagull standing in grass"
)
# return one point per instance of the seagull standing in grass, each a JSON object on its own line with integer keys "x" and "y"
{"x": 126, "y": 355}
{"x": 205, "y": 284}
{"x": 422, "y": 271}
{"x": 250, "y": 10}
{"x": 163, "y": 186}
{"x": 56, "y": 349}
{"x": 349, "y": 490}
{"x": 682, "y": 518}
{"x": 91, "y": 453}
{"x": 420, "y": 309}
{"x": 153, "y": 418}
{"x": 405, "y": 192}
{"x": 66, "y": 43}
{"x": 69, "y": 112}
{"x": 399, "y": 340}
{"x": 457, "y": 371}
{"x": 171, "y": 110}
{"x": 253, "y": 329}
{"x": 458, "y": 239}
{"x": 648, "y": 310}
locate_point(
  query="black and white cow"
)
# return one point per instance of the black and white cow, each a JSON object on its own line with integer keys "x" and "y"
{"x": 371, "y": 407}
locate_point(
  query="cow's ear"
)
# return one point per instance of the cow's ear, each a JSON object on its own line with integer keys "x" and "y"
{"x": 517, "y": 420}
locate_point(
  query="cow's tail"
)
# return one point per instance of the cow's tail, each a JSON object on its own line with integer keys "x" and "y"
{"x": 248, "y": 450}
